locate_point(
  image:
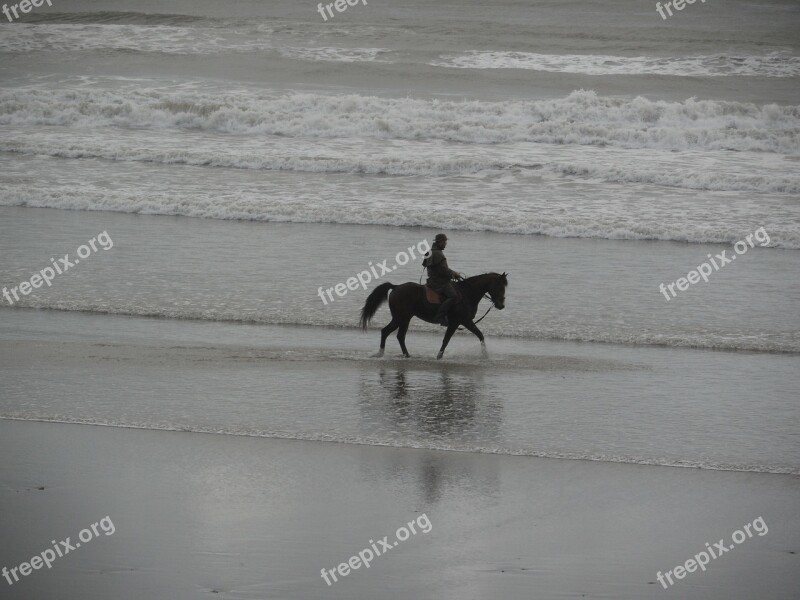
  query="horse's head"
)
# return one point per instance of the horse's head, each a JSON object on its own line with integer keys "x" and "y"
{"x": 497, "y": 290}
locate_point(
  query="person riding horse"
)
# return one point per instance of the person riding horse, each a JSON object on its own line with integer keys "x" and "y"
{"x": 440, "y": 276}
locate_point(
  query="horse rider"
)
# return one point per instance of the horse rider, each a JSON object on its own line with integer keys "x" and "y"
{"x": 440, "y": 277}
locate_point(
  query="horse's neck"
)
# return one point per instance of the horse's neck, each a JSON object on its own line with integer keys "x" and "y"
{"x": 479, "y": 287}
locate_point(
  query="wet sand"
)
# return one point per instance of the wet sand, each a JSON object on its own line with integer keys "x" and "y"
{"x": 221, "y": 516}
{"x": 660, "y": 406}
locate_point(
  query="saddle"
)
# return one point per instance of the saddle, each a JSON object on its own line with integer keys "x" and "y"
{"x": 433, "y": 297}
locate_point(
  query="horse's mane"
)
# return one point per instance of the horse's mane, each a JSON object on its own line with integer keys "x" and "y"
{"x": 475, "y": 277}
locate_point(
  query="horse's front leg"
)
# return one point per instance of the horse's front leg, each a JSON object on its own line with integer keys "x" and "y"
{"x": 474, "y": 329}
{"x": 451, "y": 329}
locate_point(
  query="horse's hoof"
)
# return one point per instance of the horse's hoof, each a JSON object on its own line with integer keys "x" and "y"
{"x": 378, "y": 354}
{"x": 406, "y": 356}
{"x": 439, "y": 356}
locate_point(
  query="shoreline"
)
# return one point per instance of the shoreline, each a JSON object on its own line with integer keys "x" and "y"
{"x": 559, "y": 289}
{"x": 416, "y": 326}
{"x": 371, "y": 444}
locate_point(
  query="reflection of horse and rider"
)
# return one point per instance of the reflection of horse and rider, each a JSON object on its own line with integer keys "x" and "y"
{"x": 439, "y": 301}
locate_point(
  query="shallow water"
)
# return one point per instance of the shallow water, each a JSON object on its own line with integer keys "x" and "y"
{"x": 567, "y": 289}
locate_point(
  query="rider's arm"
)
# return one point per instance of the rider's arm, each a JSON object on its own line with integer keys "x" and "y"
{"x": 448, "y": 271}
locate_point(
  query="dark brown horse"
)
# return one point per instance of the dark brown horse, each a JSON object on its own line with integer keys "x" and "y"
{"x": 408, "y": 301}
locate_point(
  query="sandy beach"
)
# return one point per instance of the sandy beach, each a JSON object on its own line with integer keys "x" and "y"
{"x": 240, "y": 517}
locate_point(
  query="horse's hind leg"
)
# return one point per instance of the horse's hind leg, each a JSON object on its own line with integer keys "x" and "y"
{"x": 401, "y": 337}
{"x": 393, "y": 324}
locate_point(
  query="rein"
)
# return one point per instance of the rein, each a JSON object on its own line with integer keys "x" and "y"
{"x": 488, "y": 297}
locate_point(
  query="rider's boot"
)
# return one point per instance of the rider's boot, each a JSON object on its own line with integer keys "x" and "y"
{"x": 444, "y": 309}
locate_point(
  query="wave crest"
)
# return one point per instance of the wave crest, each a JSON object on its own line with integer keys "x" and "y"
{"x": 582, "y": 118}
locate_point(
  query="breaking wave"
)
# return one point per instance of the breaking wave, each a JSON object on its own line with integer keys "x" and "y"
{"x": 582, "y": 118}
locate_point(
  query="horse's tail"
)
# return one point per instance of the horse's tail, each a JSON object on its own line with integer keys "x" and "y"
{"x": 374, "y": 301}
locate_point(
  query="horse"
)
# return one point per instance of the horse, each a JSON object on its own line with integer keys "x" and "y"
{"x": 408, "y": 300}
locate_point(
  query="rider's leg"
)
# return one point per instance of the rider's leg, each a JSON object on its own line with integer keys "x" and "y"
{"x": 444, "y": 308}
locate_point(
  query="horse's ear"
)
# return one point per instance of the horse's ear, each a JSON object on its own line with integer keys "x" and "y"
{"x": 504, "y": 275}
